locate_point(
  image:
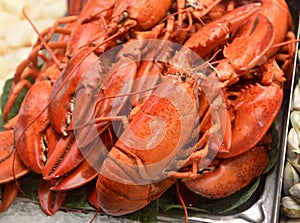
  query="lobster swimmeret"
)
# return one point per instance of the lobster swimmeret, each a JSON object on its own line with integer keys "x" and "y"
{"x": 111, "y": 114}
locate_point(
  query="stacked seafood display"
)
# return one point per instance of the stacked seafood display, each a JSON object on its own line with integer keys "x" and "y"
{"x": 132, "y": 97}
{"x": 291, "y": 179}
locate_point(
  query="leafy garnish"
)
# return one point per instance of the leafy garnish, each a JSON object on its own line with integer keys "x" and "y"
{"x": 146, "y": 215}
{"x": 197, "y": 204}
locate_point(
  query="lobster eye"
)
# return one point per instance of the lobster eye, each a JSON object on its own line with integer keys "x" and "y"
{"x": 124, "y": 15}
{"x": 183, "y": 78}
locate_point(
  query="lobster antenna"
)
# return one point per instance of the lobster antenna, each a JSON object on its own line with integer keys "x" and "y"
{"x": 209, "y": 62}
{"x": 14, "y": 173}
{"x": 182, "y": 202}
{"x": 286, "y": 43}
{"x": 56, "y": 61}
{"x": 109, "y": 97}
{"x": 95, "y": 215}
{"x": 128, "y": 94}
{"x": 92, "y": 16}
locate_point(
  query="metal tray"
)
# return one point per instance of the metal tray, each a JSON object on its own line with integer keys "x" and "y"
{"x": 266, "y": 207}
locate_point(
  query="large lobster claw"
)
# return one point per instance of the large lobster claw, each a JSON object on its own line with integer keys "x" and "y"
{"x": 256, "y": 38}
{"x": 30, "y": 130}
{"x": 255, "y": 110}
{"x": 210, "y": 36}
{"x": 50, "y": 201}
{"x": 230, "y": 175}
{"x": 88, "y": 169}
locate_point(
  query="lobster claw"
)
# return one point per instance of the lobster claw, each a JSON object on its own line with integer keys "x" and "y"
{"x": 10, "y": 168}
{"x": 50, "y": 201}
{"x": 65, "y": 157}
{"x": 60, "y": 107}
{"x": 251, "y": 43}
{"x": 30, "y": 130}
{"x": 230, "y": 175}
{"x": 80, "y": 165}
{"x": 84, "y": 173}
{"x": 8, "y": 195}
{"x": 10, "y": 165}
{"x": 255, "y": 110}
{"x": 210, "y": 36}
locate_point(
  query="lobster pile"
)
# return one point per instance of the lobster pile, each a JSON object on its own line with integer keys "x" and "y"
{"x": 121, "y": 100}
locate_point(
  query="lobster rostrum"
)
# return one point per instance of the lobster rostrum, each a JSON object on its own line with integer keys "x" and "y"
{"x": 101, "y": 122}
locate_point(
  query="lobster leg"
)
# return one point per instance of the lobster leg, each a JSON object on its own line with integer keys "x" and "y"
{"x": 197, "y": 8}
{"x": 14, "y": 93}
{"x": 29, "y": 68}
